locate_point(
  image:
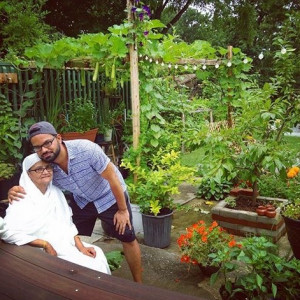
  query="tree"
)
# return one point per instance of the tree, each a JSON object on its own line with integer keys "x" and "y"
{"x": 22, "y": 25}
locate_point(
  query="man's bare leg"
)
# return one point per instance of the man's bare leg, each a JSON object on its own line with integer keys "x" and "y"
{"x": 133, "y": 257}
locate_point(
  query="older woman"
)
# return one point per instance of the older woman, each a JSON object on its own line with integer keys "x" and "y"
{"x": 43, "y": 219}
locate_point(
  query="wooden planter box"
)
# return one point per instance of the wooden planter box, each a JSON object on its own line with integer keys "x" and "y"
{"x": 244, "y": 223}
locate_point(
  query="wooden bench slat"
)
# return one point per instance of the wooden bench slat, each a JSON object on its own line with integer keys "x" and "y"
{"x": 33, "y": 269}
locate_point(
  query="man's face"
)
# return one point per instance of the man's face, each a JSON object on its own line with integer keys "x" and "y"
{"x": 46, "y": 146}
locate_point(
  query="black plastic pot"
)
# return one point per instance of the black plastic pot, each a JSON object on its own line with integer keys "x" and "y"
{"x": 293, "y": 232}
{"x": 157, "y": 229}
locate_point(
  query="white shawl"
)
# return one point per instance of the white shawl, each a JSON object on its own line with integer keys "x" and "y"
{"x": 38, "y": 216}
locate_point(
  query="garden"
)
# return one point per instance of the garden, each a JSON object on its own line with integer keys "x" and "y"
{"x": 180, "y": 113}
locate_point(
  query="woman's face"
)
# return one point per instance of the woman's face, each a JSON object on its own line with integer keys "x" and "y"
{"x": 41, "y": 173}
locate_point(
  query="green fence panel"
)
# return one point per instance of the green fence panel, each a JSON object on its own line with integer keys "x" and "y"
{"x": 65, "y": 84}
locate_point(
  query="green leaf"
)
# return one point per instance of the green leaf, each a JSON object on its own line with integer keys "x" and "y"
{"x": 274, "y": 290}
{"x": 259, "y": 280}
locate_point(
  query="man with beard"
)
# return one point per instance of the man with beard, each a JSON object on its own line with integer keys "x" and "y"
{"x": 82, "y": 168}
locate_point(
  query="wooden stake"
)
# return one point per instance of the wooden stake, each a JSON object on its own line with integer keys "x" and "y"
{"x": 229, "y": 106}
{"x": 134, "y": 83}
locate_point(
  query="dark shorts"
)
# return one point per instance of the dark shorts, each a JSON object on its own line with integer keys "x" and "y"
{"x": 85, "y": 220}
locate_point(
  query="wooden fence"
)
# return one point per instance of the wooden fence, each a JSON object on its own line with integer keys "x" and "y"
{"x": 63, "y": 86}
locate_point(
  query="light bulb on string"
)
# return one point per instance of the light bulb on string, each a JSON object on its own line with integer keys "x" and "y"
{"x": 156, "y": 62}
{"x": 176, "y": 67}
{"x": 185, "y": 67}
{"x": 283, "y": 51}
{"x": 245, "y": 61}
{"x": 229, "y": 64}
{"x": 150, "y": 60}
{"x": 169, "y": 66}
{"x": 261, "y": 56}
{"x": 217, "y": 65}
{"x": 204, "y": 67}
{"x": 195, "y": 68}
{"x": 146, "y": 57}
{"x": 162, "y": 64}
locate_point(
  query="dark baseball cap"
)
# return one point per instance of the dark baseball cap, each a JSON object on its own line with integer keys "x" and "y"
{"x": 42, "y": 127}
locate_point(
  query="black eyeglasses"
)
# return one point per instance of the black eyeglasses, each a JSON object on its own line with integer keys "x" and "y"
{"x": 47, "y": 144}
{"x": 40, "y": 170}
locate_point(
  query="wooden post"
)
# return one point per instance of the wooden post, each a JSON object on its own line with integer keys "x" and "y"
{"x": 229, "y": 106}
{"x": 134, "y": 80}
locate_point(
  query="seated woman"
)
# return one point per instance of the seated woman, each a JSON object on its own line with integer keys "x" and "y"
{"x": 44, "y": 220}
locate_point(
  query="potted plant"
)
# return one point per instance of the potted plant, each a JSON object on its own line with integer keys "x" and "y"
{"x": 201, "y": 240}
{"x": 80, "y": 121}
{"x": 254, "y": 270}
{"x": 156, "y": 183}
{"x": 291, "y": 215}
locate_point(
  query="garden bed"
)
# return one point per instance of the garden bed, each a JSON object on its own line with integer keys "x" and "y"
{"x": 246, "y": 222}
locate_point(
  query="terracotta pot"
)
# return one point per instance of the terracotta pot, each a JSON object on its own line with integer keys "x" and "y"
{"x": 261, "y": 210}
{"x": 271, "y": 213}
{"x": 270, "y": 206}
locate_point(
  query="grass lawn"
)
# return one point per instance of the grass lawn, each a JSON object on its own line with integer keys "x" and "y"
{"x": 193, "y": 158}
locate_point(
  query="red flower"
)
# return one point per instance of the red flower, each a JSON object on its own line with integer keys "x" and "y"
{"x": 185, "y": 258}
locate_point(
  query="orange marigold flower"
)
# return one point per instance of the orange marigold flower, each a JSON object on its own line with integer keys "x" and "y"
{"x": 232, "y": 243}
{"x": 291, "y": 174}
{"x": 295, "y": 169}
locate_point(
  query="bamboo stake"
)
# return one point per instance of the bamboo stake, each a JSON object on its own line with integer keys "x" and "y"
{"x": 135, "y": 97}
{"x": 229, "y": 106}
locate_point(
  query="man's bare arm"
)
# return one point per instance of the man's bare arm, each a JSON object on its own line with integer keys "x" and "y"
{"x": 16, "y": 193}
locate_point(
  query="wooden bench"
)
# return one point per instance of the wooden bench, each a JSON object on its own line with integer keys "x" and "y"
{"x": 29, "y": 273}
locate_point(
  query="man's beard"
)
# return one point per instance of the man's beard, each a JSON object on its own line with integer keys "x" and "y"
{"x": 53, "y": 157}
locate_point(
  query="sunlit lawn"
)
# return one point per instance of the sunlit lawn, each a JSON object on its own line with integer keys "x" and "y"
{"x": 194, "y": 158}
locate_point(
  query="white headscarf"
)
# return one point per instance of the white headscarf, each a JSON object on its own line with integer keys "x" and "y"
{"x": 28, "y": 219}
{"x": 26, "y": 182}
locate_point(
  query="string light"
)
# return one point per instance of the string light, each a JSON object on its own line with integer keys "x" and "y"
{"x": 229, "y": 64}
{"x": 204, "y": 67}
{"x": 283, "y": 51}
{"x": 162, "y": 64}
{"x": 169, "y": 66}
{"x": 156, "y": 62}
{"x": 261, "y": 56}
{"x": 185, "y": 67}
{"x": 194, "y": 68}
{"x": 176, "y": 67}
{"x": 217, "y": 65}
{"x": 245, "y": 61}
{"x": 150, "y": 60}
{"x": 146, "y": 57}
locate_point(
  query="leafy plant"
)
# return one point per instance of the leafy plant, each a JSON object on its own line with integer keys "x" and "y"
{"x": 157, "y": 182}
{"x": 259, "y": 271}
{"x": 7, "y": 170}
{"x": 80, "y": 117}
{"x": 114, "y": 259}
{"x": 212, "y": 189}
{"x": 231, "y": 201}
{"x": 201, "y": 240}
